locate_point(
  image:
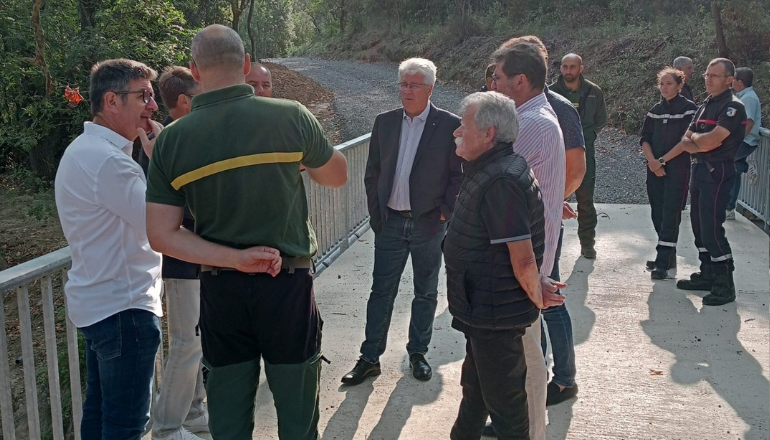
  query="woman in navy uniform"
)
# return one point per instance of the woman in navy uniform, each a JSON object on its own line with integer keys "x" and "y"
{"x": 668, "y": 166}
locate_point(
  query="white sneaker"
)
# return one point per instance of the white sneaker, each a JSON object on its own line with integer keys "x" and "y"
{"x": 730, "y": 215}
{"x": 198, "y": 424}
{"x": 179, "y": 434}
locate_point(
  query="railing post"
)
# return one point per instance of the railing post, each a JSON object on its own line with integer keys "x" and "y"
{"x": 6, "y": 393}
{"x": 54, "y": 390}
{"x": 73, "y": 357}
{"x": 28, "y": 355}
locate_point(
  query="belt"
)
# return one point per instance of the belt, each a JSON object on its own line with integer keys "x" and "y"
{"x": 704, "y": 162}
{"x": 288, "y": 263}
{"x": 405, "y": 214}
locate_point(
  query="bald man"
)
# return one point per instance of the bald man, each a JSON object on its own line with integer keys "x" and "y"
{"x": 261, "y": 79}
{"x": 588, "y": 99}
{"x": 252, "y": 238}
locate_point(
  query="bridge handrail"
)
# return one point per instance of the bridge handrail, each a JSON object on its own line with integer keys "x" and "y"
{"x": 339, "y": 217}
{"x": 754, "y": 195}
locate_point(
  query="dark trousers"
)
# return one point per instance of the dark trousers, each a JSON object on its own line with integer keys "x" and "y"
{"x": 586, "y": 210}
{"x": 709, "y": 194}
{"x": 668, "y": 196}
{"x": 560, "y": 333}
{"x": 493, "y": 376}
{"x": 245, "y": 317}
{"x": 392, "y": 246}
{"x": 120, "y": 362}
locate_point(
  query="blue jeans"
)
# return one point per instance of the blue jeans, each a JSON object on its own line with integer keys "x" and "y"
{"x": 392, "y": 246}
{"x": 560, "y": 332}
{"x": 120, "y": 362}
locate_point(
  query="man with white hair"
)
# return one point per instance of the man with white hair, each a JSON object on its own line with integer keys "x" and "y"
{"x": 685, "y": 65}
{"x": 412, "y": 179}
{"x": 494, "y": 250}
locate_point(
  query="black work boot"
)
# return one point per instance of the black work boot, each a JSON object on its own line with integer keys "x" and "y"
{"x": 697, "y": 281}
{"x": 722, "y": 292}
{"x": 651, "y": 264}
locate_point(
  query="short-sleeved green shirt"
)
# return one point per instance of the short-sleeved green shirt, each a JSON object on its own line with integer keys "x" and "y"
{"x": 235, "y": 160}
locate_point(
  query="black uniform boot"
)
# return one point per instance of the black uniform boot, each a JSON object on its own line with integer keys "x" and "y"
{"x": 722, "y": 292}
{"x": 651, "y": 265}
{"x": 697, "y": 281}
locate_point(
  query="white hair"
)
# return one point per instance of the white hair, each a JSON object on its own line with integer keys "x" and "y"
{"x": 413, "y": 66}
{"x": 680, "y": 62}
{"x": 494, "y": 109}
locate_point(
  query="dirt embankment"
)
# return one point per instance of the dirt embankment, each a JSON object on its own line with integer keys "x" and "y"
{"x": 622, "y": 60}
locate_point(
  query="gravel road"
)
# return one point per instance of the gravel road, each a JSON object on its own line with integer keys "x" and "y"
{"x": 363, "y": 90}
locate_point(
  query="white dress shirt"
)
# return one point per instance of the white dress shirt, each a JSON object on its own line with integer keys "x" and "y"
{"x": 100, "y": 193}
{"x": 411, "y": 132}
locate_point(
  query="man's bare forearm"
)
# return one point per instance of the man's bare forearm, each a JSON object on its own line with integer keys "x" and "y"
{"x": 525, "y": 269}
{"x": 187, "y": 246}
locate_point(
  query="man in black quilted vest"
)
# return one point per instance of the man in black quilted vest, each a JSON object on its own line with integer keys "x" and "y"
{"x": 493, "y": 251}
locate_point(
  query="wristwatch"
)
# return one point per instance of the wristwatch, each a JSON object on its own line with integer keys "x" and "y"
{"x": 662, "y": 162}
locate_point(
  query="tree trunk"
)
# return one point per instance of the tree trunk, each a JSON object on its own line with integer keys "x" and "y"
{"x": 39, "y": 59}
{"x": 251, "y": 32}
{"x": 720, "y": 32}
{"x": 87, "y": 11}
{"x": 237, "y": 8}
{"x": 342, "y": 17}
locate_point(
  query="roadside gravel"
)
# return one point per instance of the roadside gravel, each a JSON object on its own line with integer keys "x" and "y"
{"x": 363, "y": 90}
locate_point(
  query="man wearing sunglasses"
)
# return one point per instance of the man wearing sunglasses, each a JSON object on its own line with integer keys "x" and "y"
{"x": 113, "y": 289}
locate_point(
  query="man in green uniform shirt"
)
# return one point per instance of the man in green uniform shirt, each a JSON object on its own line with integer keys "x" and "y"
{"x": 588, "y": 99}
{"x": 235, "y": 160}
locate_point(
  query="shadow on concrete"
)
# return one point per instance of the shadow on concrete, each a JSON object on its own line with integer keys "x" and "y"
{"x": 706, "y": 347}
{"x": 344, "y": 423}
{"x": 583, "y": 318}
{"x": 560, "y": 419}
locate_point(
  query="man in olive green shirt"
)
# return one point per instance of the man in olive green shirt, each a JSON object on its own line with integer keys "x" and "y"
{"x": 235, "y": 161}
{"x": 588, "y": 99}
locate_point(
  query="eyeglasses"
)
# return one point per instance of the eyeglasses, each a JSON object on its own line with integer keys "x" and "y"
{"x": 405, "y": 86}
{"x": 712, "y": 76}
{"x": 496, "y": 78}
{"x": 146, "y": 94}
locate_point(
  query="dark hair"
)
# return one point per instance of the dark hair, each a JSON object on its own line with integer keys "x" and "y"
{"x": 676, "y": 73}
{"x": 523, "y": 58}
{"x": 745, "y": 75}
{"x": 490, "y": 70}
{"x": 175, "y": 81}
{"x": 114, "y": 76}
{"x": 729, "y": 66}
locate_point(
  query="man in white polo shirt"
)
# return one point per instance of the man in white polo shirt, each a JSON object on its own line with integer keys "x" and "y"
{"x": 114, "y": 286}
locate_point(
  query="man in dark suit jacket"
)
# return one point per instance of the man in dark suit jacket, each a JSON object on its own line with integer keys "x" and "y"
{"x": 412, "y": 180}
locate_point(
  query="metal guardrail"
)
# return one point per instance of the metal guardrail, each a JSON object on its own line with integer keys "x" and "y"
{"x": 339, "y": 217}
{"x": 755, "y": 192}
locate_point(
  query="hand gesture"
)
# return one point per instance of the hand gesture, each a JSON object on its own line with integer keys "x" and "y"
{"x": 567, "y": 212}
{"x": 551, "y": 296}
{"x": 259, "y": 259}
{"x": 148, "y": 142}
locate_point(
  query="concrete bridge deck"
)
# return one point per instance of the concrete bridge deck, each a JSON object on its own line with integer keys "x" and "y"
{"x": 653, "y": 363}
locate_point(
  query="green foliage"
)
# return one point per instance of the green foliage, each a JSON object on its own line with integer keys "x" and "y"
{"x": 36, "y": 128}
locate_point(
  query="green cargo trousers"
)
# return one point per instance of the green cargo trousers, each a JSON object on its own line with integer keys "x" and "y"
{"x": 232, "y": 391}
{"x": 586, "y": 210}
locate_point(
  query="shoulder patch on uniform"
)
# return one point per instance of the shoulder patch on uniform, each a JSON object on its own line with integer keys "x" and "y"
{"x": 731, "y": 111}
